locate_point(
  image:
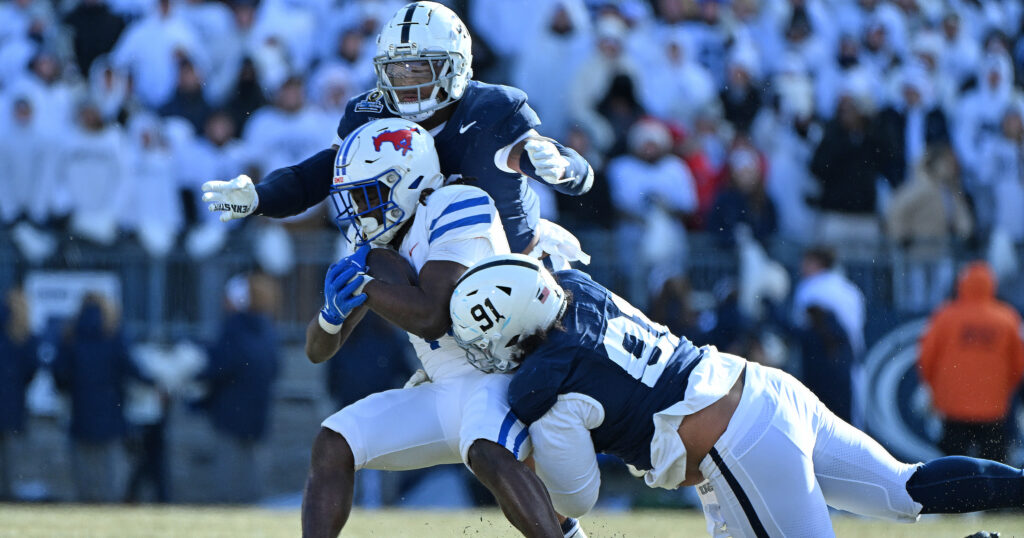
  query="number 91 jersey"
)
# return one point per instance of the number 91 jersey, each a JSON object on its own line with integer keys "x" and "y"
{"x": 612, "y": 353}
{"x": 460, "y": 224}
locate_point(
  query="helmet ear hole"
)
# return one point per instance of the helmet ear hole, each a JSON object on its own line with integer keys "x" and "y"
{"x": 512, "y": 341}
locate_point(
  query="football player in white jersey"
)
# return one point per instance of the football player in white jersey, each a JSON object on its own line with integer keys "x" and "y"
{"x": 389, "y": 193}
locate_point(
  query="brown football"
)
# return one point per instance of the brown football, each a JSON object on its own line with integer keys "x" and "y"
{"x": 389, "y": 266}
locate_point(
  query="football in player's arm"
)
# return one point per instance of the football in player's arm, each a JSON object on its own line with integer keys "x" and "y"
{"x": 389, "y": 193}
{"x": 484, "y": 132}
{"x": 594, "y": 375}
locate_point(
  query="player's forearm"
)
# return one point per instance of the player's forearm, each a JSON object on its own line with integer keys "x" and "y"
{"x": 580, "y": 172}
{"x": 322, "y": 345}
{"x": 293, "y": 189}
{"x": 579, "y": 176}
{"x": 409, "y": 308}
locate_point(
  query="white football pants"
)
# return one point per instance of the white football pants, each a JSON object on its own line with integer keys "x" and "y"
{"x": 431, "y": 424}
{"x": 785, "y": 458}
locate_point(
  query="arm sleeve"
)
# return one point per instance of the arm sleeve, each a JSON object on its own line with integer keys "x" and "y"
{"x": 534, "y": 389}
{"x": 565, "y": 456}
{"x": 291, "y": 190}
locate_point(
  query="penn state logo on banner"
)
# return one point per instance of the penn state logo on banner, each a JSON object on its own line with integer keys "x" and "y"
{"x": 899, "y": 413}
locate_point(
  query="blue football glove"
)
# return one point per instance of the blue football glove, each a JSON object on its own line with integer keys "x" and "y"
{"x": 343, "y": 290}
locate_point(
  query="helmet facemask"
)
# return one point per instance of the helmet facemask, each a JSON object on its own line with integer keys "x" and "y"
{"x": 416, "y": 85}
{"x": 367, "y": 205}
{"x": 480, "y": 352}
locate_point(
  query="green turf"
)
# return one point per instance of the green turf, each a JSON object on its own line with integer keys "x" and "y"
{"x": 77, "y": 521}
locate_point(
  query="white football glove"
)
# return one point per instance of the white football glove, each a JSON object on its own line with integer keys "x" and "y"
{"x": 235, "y": 199}
{"x": 550, "y": 165}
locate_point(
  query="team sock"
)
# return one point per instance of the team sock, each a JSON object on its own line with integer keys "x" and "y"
{"x": 571, "y": 528}
{"x": 958, "y": 484}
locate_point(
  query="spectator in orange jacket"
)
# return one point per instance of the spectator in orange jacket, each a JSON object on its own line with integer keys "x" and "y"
{"x": 972, "y": 357}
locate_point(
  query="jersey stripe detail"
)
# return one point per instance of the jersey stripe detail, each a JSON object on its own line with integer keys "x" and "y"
{"x": 467, "y": 221}
{"x": 519, "y": 441}
{"x": 408, "y": 23}
{"x": 462, "y": 204}
{"x": 741, "y": 496}
{"x": 506, "y": 426}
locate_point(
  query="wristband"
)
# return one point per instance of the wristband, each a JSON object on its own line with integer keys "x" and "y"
{"x": 327, "y": 326}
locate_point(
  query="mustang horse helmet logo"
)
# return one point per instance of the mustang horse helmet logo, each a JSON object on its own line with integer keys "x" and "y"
{"x": 401, "y": 139}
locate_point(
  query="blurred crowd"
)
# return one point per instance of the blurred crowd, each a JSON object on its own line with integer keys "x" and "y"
{"x": 835, "y": 121}
{"x": 828, "y": 127}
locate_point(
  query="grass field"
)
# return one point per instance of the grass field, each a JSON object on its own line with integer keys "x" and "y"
{"x": 75, "y": 521}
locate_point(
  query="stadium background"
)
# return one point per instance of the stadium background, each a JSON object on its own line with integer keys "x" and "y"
{"x": 113, "y": 113}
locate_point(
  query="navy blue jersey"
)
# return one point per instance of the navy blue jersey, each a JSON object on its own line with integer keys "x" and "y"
{"x": 487, "y": 118}
{"x": 611, "y": 352}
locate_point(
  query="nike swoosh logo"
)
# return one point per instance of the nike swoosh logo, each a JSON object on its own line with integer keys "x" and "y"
{"x": 413, "y": 248}
{"x": 464, "y": 128}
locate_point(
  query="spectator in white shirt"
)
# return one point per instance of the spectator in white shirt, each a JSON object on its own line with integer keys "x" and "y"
{"x": 653, "y": 191}
{"x": 560, "y": 46}
{"x": 215, "y": 26}
{"x": 504, "y": 26}
{"x": 289, "y": 131}
{"x": 93, "y": 173}
{"x": 24, "y": 158}
{"x": 787, "y": 133}
{"x": 108, "y": 88}
{"x": 289, "y": 24}
{"x": 607, "y": 70}
{"x": 152, "y": 208}
{"x": 53, "y": 95}
{"x": 149, "y": 50}
{"x": 824, "y": 285}
{"x": 1002, "y": 174}
{"x": 962, "y": 53}
{"x": 675, "y": 86}
{"x": 980, "y": 114}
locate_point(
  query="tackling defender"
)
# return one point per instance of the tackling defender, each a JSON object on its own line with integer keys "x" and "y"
{"x": 484, "y": 133}
{"x": 595, "y": 375}
{"x": 388, "y": 188}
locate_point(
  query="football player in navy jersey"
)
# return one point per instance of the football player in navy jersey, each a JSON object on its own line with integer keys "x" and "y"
{"x": 593, "y": 374}
{"x": 485, "y": 133}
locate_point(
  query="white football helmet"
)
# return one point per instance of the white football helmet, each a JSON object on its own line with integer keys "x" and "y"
{"x": 498, "y": 302}
{"x": 380, "y": 171}
{"x": 424, "y": 50}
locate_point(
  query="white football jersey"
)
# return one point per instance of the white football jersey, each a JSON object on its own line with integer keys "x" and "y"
{"x": 450, "y": 227}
